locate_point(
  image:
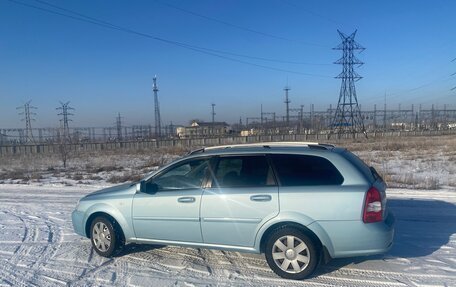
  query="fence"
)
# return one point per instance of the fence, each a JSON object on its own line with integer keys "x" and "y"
{"x": 31, "y": 149}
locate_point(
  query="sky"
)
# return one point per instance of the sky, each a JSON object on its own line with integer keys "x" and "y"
{"x": 237, "y": 54}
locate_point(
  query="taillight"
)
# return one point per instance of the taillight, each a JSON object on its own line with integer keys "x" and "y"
{"x": 373, "y": 208}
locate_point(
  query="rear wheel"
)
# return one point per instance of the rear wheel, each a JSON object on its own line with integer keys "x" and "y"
{"x": 291, "y": 253}
{"x": 105, "y": 237}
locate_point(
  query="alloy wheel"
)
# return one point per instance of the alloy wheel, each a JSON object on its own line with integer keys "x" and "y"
{"x": 290, "y": 254}
{"x": 101, "y": 236}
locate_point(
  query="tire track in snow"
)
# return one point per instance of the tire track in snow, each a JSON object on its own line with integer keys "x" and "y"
{"x": 8, "y": 269}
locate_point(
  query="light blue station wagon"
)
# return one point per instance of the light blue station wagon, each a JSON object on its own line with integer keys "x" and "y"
{"x": 298, "y": 203}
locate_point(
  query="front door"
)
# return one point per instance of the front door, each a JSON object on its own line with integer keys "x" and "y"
{"x": 172, "y": 212}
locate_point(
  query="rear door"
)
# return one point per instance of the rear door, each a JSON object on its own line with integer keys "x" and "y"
{"x": 242, "y": 196}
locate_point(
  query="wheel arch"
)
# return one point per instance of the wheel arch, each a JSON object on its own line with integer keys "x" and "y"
{"x": 290, "y": 224}
{"x": 308, "y": 226}
{"x": 100, "y": 214}
{"x": 108, "y": 212}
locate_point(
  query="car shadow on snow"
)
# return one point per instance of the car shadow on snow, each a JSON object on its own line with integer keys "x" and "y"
{"x": 422, "y": 227}
{"x": 137, "y": 248}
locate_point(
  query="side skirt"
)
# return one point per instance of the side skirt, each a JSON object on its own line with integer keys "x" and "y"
{"x": 194, "y": 245}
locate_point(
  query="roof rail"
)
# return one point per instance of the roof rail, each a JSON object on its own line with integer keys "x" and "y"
{"x": 196, "y": 151}
{"x": 264, "y": 145}
{"x": 270, "y": 144}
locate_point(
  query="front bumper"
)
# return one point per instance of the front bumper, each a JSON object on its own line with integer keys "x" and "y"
{"x": 77, "y": 218}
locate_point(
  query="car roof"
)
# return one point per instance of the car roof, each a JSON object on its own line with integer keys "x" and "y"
{"x": 263, "y": 147}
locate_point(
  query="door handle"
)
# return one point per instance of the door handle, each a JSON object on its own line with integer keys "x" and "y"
{"x": 186, "y": 199}
{"x": 261, "y": 197}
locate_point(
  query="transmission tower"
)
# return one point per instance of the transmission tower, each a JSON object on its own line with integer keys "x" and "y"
{"x": 157, "y": 109}
{"x": 347, "y": 118}
{"x": 27, "y": 112}
{"x": 119, "y": 127}
{"x": 287, "y": 104}
{"x": 213, "y": 113}
{"x": 65, "y": 108}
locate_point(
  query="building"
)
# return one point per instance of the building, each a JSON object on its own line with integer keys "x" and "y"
{"x": 203, "y": 129}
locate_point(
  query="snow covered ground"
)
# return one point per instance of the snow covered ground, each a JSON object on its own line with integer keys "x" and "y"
{"x": 38, "y": 248}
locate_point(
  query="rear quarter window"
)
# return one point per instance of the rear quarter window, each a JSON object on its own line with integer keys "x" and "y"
{"x": 359, "y": 164}
{"x": 305, "y": 170}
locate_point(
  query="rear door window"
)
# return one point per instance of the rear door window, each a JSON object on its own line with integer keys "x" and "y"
{"x": 243, "y": 171}
{"x": 305, "y": 170}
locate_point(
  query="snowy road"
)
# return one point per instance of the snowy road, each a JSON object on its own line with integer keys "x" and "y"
{"x": 38, "y": 248}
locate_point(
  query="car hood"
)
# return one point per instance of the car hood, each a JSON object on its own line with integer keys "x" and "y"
{"x": 122, "y": 189}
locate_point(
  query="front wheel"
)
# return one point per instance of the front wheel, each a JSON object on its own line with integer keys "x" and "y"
{"x": 105, "y": 237}
{"x": 291, "y": 253}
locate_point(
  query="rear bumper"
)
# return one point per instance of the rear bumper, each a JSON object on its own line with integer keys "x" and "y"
{"x": 356, "y": 238}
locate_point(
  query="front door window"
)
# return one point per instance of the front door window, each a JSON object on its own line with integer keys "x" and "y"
{"x": 188, "y": 175}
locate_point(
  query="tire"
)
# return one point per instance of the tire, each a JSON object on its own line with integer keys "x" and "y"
{"x": 105, "y": 236}
{"x": 291, "y": 253}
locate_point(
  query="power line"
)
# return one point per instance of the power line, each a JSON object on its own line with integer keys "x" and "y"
{"x": 401, "y": 93}
{"x": 310, "y": 12}
{"x": 265, "y": 59}
{"x": 235, "y": 25}
{"x": 108, "y": 25}
{"x": 202, "y": 48}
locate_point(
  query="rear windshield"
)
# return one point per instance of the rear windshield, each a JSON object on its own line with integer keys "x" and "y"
{"x": 361, "y": 165}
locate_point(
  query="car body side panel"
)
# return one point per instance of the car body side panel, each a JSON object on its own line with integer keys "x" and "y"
{"x": 324, "y": 202}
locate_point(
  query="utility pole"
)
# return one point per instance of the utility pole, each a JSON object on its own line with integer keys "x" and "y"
{"x": 64, "y": 108}
{"x": 213, "y": 113}
{"x": 311, "y": 117}
{"x": 119, "y": 127}
{"x": 453, "y": 88}
{"x": 157, "y": 109}
{"x": 433, "y": 122}
{"x": 347, "y": 118}
{"x": 375, "y": 117}
{"x": 287, "y": 104}
{"x": 261, "y": 113}
{"x": 27, "y": 112}
{"x": 384, "y": 114}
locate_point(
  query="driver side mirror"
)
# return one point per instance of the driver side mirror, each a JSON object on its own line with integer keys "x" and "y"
{"x": 150, "y": 188}
{"x": 146, "y": 187}
{"x": 140, "y": 186}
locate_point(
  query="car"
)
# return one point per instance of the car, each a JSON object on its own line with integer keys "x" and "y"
{"x": 298, "y": 203}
